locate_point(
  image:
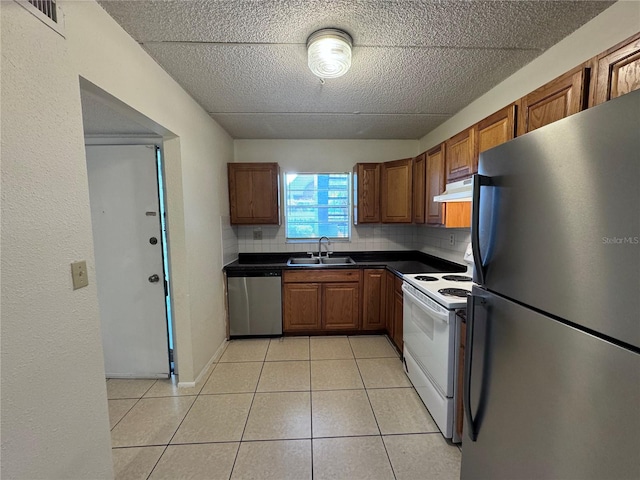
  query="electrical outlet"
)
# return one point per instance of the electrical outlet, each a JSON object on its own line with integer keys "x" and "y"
{"x": 452, "y": 239}
{"x": 79, "y": 274}
{"x": 257, "y": 234}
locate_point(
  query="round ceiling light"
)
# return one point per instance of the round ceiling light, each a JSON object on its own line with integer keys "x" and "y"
{"x": 329, "y": 53}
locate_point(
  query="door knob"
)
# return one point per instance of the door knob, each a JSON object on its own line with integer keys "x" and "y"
{"x": 153, "y": 240}
{"x": 154, "y": 278}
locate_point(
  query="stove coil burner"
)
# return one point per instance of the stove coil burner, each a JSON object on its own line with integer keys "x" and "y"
{"x": 457, "y": 278}
{"x": 454, "y": 292}
{"x": 425, "y": 278}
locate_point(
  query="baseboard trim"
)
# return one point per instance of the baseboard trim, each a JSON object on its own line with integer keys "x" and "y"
{"x": 214, "y": 358}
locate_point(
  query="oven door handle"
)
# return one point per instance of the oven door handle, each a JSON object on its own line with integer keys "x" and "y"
{"x": 443, "y": 317}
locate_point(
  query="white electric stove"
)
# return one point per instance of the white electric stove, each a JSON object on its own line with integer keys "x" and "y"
{"x": 448, "y": 289}
{"x": 431, "y": 334}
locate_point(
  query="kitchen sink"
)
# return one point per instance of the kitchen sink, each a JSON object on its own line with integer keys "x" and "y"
{"x": 303, "y": 261}
{"x": 318, "y": 262}
{"x": 337, "y": 260}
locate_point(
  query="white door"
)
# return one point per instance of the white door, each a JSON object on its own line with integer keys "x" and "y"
{"x": 123, "y": 187}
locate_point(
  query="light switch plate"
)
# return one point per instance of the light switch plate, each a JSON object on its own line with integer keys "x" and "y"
{"x": 79, "y": 274}
{"x": 257, "y": 234}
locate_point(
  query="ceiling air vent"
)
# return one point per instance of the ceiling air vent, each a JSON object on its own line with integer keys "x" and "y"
{"x": 48, "y": 7}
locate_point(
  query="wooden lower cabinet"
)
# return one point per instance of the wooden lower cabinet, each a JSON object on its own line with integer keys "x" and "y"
{"x": 394, "y": 309}
{"x": 340, "y": 306}
{"x": 397, "y": 313}
{"x": 350, "y": 300}
{"x": 321, "y": 300}
{"x": 374, "y": 301}
{"x": 301, "y": 307}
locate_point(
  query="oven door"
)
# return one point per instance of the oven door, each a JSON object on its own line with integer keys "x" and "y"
{"x": 429, "y": 336}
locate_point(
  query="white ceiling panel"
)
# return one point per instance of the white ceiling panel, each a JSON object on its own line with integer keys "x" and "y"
{"x": 245, "y": 61}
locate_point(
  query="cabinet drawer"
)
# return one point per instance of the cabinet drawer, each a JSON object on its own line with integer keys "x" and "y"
{"x": 310, "y": 275}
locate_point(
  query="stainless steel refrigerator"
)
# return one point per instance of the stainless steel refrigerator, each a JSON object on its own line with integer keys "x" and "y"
{"x": 552, "y": 374}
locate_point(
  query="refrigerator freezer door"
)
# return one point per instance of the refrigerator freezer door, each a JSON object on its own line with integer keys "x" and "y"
{"x": 559, "y": 225}
{"x": 548, "y": 401}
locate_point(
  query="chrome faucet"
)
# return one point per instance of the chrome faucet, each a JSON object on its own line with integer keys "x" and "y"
{"x": 320, "y": 246}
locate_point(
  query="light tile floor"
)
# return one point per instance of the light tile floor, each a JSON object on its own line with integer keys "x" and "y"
{"x": 290, "y": 408}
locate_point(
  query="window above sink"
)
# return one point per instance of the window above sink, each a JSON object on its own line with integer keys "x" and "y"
{"x": 317, "y": 205}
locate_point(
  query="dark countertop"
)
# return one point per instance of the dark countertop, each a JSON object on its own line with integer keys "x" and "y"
{"x": 398, "y": 261}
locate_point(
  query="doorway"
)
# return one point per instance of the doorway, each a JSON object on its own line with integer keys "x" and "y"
{"x": 127, "y": 211}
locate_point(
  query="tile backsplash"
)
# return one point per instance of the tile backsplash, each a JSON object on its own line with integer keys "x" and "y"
{"x": 432, "y": 240}
{"x": 229, "y": 240}
{"x": 436, "y": 241}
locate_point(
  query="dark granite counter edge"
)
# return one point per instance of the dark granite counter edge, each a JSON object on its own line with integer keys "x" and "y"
{"x": 397, "y": 261}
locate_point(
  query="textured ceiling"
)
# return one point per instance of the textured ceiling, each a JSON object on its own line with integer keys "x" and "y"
{"x": 415, "y": 63}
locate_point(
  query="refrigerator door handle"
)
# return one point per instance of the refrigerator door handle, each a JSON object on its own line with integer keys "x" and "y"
{"x": 479, "y": 181}
{"x": 471, "y": 427}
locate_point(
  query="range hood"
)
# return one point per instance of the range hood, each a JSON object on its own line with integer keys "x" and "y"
{"x": 461, "y": 191}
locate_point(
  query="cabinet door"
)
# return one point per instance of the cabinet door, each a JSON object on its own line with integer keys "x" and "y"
{"x": 397, "y": 320}
{"x": 618, "y": 70}
{"x": 460, "y": 155}
{"x": 436, "y": 180}
{"x": 301, "y": 306}
{"x": 419, "y": 191}
{"x": 366, "y": 193}
{"x": 389, "y": 294}
{"x": 253, "y": 193}
{"x": 556, "y": 100}
{"x": 397, "y": 183}
{"x": 341, "y": 306}
{"x": 374, "y": 300}
{"x": 496, "y": 129}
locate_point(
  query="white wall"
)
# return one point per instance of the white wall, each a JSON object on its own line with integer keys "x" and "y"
{"x": 322, "y": 155}
{"x": 54, "y": 404}
{"x": 615, "y": 24}
{"x": 54, "y": 408}
{"x": 196, "y": 178}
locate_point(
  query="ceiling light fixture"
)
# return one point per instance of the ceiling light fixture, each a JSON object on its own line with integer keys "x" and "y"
{"x": 329, "y": 53}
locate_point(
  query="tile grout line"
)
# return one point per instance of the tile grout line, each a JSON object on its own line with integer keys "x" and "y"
{"x": 246, "y": 422}
{"x": 174, "y": 434}
{"x": 311, "y": 407}
{"x": 374, "y": 414}
{"x": 185, "y": 416}
{"x": 135, "y": 403}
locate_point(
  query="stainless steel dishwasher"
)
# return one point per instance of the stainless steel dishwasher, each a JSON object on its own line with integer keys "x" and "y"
{"x": 255, "y": 302}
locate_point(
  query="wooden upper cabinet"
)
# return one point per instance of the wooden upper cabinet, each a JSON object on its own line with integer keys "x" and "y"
{"x": 618, "y": 70}
{"x": 554, "y": 101}
{"x": 253, "y": 193}
{"x": 496, "y": 129}
{"x": 419, "y": 191}
{"x": 396, "y": 191}
{"x": 366, "y": 193}
{"x": 460, "y": 155}
{"x": 435, "y": 184}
